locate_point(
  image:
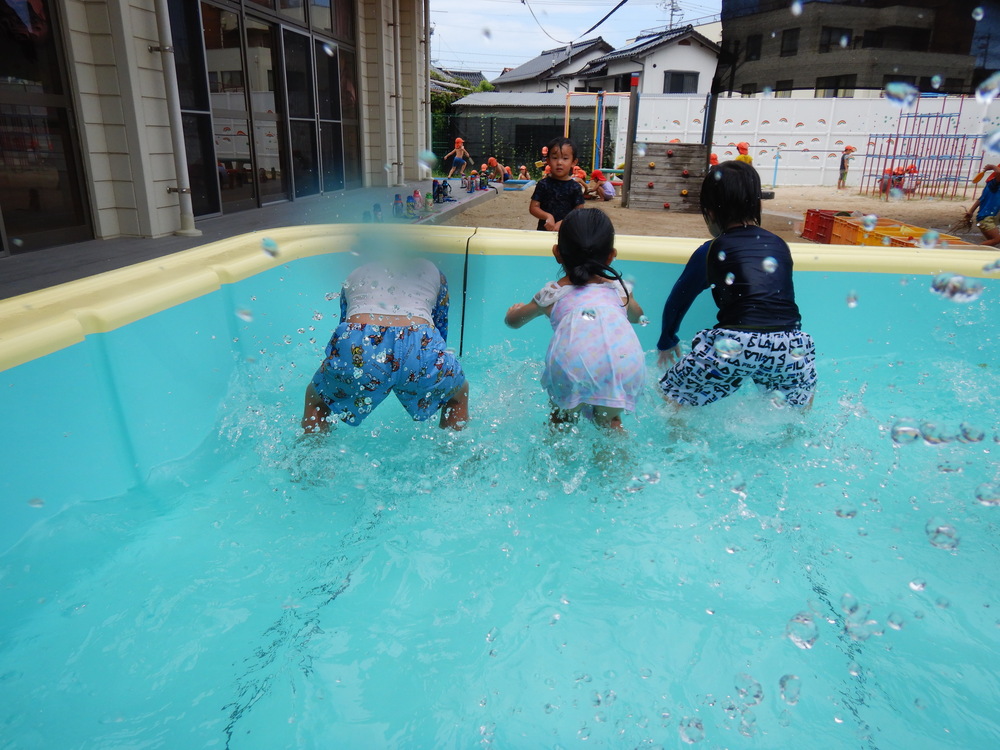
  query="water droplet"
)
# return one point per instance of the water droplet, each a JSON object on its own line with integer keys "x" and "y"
{"x": 269, "y": 246}
{"x": 977, "y": 14}
{"x": 37, "y": 502}
{"x": 588, "y": 314}
{"x": 852, "y": 300}
{"x": 691, "y": 730}
{"x": 722, "y": 255}
{"x": 790, "y": 686}
{"x": 727, "y": 348}
{"x": 942, "y": 602}
{"x": 640, "y": 149}
{"x": 331, "y": 296}
{"x": 328, "y": 50}
{"x": 846, "y": 512}
{"x": 991, "y": 141}
{"x": 988, "y": 494}
{"x": 903, "y": 95}
{"x": 942, "y": 534}
{"x": 992, "y": 266}
{"x": 643, "y": 321}
{"x": 769, "y": 264}
{"x": 896, "y": 194}
{"x": 796, "y": 8}
{"x": 427, "y": 159}
{"x": 932, "y": 434}
{"x": 797, "y": 352}
{"x": 844, "y": 41}
{"x": 487, "y": 35}
{"x": 802, "y": 630}
{"x": 749, "y": 690}
{"x": 987, "y": 91}
{"x": 869, "y": 222}
{"x": 918, "y": 584}
{"x": 968, "y": 433}
{"x": 956, "y": 288}
{"x": 730, "y": 278}
{"x": 936, "y": 82}
{"x": 895, "y": 621}
{"x": 929, "y": 239}
{"x": 491, "y": 635}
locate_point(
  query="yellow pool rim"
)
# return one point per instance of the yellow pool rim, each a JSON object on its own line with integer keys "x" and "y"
{"x": 38, "y": 323}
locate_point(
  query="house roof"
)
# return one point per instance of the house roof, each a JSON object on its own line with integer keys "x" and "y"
{"x": 550, "y": 60}
{"x": 496, "y": 99}
{"x": 472, "y": 77}
{"x": 646, "y": 43}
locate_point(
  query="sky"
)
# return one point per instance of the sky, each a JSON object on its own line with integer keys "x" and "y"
{"x": 490, "y": 35}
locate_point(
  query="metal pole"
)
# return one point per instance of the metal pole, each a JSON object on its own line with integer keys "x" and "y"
{"x": 633, "y": 124}
{"x": 183, "y": 188}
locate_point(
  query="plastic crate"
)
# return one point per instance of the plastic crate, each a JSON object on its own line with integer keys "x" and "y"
{"x": 883, "y": 235}
{"x": 818, "y": 223}
{"x": 846, "y": 231}
{"x": 912, "y": 239}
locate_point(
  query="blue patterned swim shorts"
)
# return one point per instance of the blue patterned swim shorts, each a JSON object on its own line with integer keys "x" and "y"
{"x": 721, "y": 359}
{"x": 364, "y": 363}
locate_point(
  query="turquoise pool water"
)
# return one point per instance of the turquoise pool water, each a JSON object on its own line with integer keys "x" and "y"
{"x": 737, "y": 576}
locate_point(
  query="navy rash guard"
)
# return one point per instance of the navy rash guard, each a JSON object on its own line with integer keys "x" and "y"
{"x": 759, "y": 295}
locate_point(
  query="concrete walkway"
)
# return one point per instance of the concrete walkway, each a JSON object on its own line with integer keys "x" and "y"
{"x": 40, "y": 269}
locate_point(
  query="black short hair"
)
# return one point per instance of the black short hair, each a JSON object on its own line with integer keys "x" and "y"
{"x": 730, "y": 194}
{"x": 562, "y": 143}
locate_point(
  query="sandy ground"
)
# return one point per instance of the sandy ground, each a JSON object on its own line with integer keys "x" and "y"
{"x": 783, "y": 214}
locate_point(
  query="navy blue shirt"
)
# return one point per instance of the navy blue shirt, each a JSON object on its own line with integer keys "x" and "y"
{"x": 750, "y": 273}
{"x": 557, "y": 197}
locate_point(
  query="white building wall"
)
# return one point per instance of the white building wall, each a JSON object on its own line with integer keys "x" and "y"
{"x": 793, "y": 141}
{"x": 678, "y": 57}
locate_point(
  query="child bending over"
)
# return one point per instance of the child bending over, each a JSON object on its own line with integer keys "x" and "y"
{"x": 594, "y": 363}
{"x": 750, "y": 273}
{"x": 391, "y": 338}
{"x": 557, "y": 193}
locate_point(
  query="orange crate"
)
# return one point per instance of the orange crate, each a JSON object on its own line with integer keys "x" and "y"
{"x": 846, "y": 230}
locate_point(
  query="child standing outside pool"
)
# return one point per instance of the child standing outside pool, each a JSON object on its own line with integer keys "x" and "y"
{"x": 845, "y": 163}
{"x": 557, "y": 193}
{"x": 391, "y": 338}
{"x": 749, "y": 271}
{"x": 594, "y": 364}
{"x": 460, "y": 157}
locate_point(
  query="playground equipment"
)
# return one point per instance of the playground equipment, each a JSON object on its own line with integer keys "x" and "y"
{"x": 599, "y": 114}
{"x": 926, "y": 156}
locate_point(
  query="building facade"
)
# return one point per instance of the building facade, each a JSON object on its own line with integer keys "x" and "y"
{"x": 137, "y": 118}
{"x": 845, "y": 48}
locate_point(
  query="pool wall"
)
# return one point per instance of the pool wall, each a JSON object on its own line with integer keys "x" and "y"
{"x": 107, "y": 378}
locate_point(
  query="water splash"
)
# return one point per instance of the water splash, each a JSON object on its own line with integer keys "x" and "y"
{"x": 956, "y": 288}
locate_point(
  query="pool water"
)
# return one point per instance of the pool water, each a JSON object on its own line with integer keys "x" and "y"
{"x": 735, "y": 576}
{"x": 740, "y": 575}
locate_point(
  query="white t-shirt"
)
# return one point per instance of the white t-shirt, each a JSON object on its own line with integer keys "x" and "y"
{"x": 407, "y": 287}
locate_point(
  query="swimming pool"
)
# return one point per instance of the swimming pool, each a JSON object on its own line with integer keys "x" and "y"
{"x": 180, "y": 570}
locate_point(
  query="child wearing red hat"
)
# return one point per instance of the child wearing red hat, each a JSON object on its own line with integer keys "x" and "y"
{"x": 459, "y": 156}
{"x": 845, "y": 159}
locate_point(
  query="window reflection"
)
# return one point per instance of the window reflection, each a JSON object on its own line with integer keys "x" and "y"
{"x": 266, "y": 110}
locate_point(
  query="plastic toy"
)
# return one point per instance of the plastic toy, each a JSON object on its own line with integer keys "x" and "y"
{"x": 649, "y": 185}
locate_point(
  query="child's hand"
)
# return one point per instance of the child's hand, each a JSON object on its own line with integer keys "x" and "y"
{"x": 511, "y": 317}
{"x": 667, "y": 357}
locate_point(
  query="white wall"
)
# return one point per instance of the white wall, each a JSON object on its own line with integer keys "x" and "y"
{"x": 810, "y": 133}
{"x": 677, "y": 57}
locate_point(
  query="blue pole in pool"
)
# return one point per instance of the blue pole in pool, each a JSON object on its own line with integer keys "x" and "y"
{"x": 777, "y": 158}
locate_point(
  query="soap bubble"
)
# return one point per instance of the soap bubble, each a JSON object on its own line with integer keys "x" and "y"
{"x": 796, "y": 8}
{"x": 802, "y": 630}
{"x": 790, "y": 686}
{"x": 769, "y": 264}
{"x": 749, "y": 690}
{"x": 977, "y": 14}
{"x": 991, "y": 141}
{"x": 869, "y": 222}
{"x": 987, "y": 91}
{"x": 269, "y": 246}
{"x": 942, "y": 534}
{"x": 903, "y": 95}
{"x": 988, "y": 494}
{"x": 956, "y": 288}
{"x": 427, "y": 158}
{"x": 691, "y": 730}
{"x": 929, "y": 239}
{"x": 904, "y": 431}
{"x": 727, "y": 348}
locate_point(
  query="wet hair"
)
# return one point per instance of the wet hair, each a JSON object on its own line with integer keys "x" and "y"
{"x": 562, "y": 143}
{"x": 586, "y": 239}
{"x": 730, "y": 194}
